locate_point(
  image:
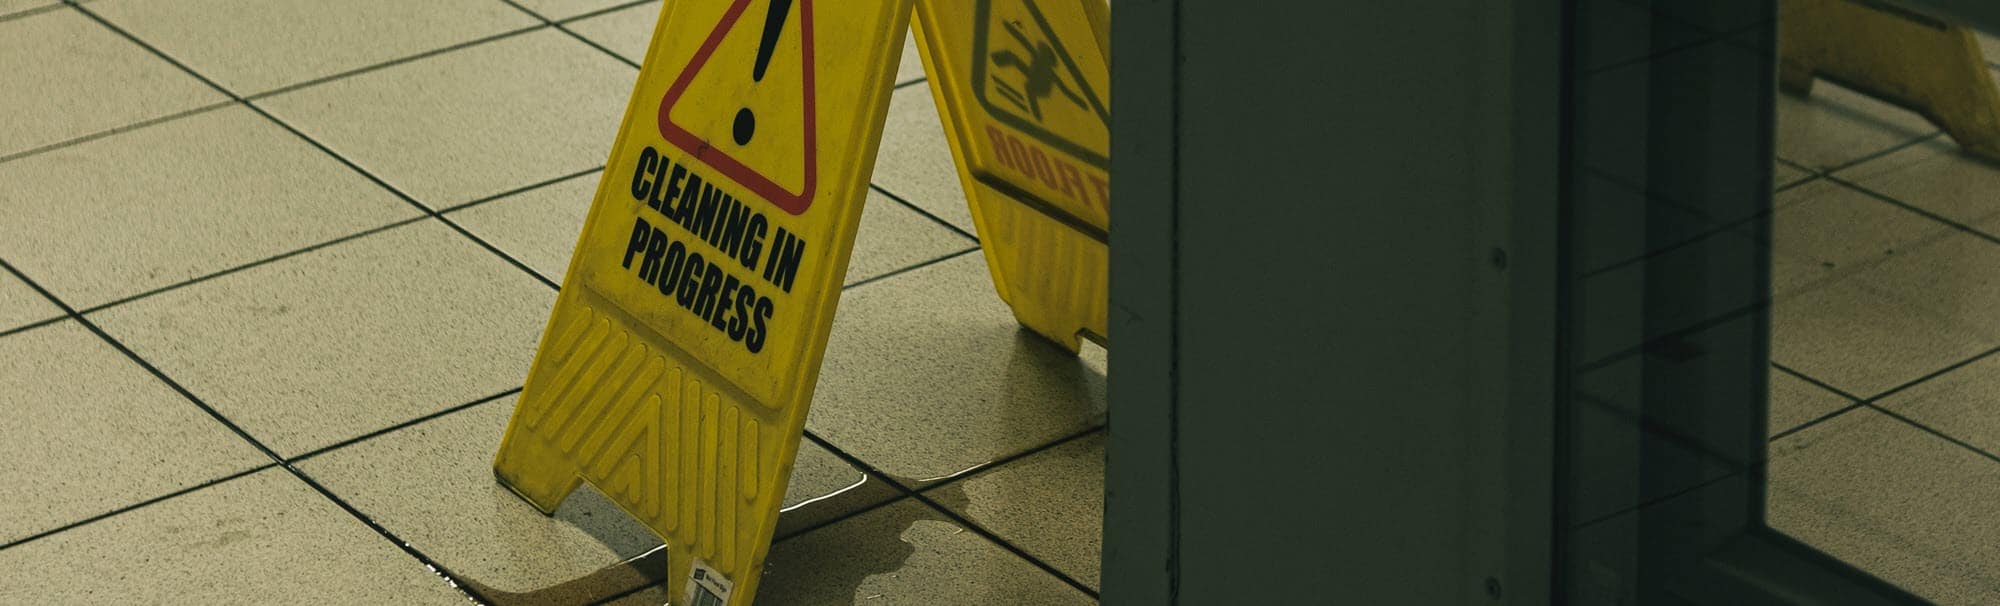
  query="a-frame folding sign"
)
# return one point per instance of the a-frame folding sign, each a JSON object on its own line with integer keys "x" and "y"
{"x": 676, "y": 369}
{"x": 1023, "y": 86}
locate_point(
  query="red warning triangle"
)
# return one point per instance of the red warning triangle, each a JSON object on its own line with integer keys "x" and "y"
{"x": 717, "y": 154}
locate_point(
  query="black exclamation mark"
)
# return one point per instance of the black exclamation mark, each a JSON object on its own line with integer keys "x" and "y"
{"x": 774, "y": 23}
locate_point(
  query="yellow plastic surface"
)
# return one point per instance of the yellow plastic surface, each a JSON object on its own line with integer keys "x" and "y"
{"x": 1923, "y": 64}
{"x": 679, "y": 361}
{"x": 1024, "y": 89}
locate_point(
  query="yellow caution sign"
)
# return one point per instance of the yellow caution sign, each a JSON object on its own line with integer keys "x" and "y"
{"x": 1024, "y": 89}
{"x": 676, "y": 369}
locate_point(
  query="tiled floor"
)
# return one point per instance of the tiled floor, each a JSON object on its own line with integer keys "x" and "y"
{"x": 1886, "y": 322}
{"x": 273, "y": 273}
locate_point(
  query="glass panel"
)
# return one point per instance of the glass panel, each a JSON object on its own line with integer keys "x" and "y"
{"x": 1778, "y": 304}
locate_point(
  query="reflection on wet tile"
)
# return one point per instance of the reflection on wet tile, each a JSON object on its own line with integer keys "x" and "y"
{"x": 344, "y": 340}
{"x": 1795, "y": 402}
{"x": 1050, "y": 504}
{"x": 472, "y": 123}
{"x": 20, "y": 305}
{"x": 250, "y": 539}
{"x": 252, "y": 46}
{"x": 1825, "y": 231}
{"x": 89, "y": 431}
{"x": 1937, "y": 177}
{"x": 626, "y": 31}
{"x": 904, "y": 554}
{"x": 1834, "y": 126}
{"x": 1863, "y": 342}
{"x": 1960, "y": 403}
{"x": 915, "y": 160}
{"x": 539, "y": 227}
{"x": 432, "y": 484}
{"x": 1895, "y": 501}
{"x": 927, "y": 374}
{"x": 151, "y": 207}
{"x": 69, "y": 77}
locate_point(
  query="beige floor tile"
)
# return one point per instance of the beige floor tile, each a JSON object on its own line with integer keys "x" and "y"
{"x": 1825, "y": 231}
{"x": 20, "y": 305}
{"x": 252, "y": 46}
{"x": 1936, "y": 177}
{"x": 906, "y": 553}
{"x": 1902, "y": 504}
{"x": 927, "y": 374}
{"x": 432, "y": 484}
{"x": 89, "y": 431}
{"x": 1050, "y": 504}
{"x": 259, "y": 539}
{"x": 1956, "y": 278}
{"x": 1863, "y": 342}
{"x": 344, "y": 340}
{"x": 893, "y": 237}
{"x": 472, "y": 123}
{"x": 1963, "y": 404}
{"x": 626, "y": 31}
{"x": 539, "y": 227}
{"x": 911, "y": 66}
{"x": 1795, "y": 402}
{"x": 68, "y": 77}
{"x": 154, "y": 206}
{"x": 564, "y": 9}
{"x": 1989, "y": 46}
{"x": 915, "y": 160}
{"x": 1835, "y": 126}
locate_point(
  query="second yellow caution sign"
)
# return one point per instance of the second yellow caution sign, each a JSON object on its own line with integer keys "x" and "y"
{"x": 1023, "y": 87}
{"x": 677, "y": 367}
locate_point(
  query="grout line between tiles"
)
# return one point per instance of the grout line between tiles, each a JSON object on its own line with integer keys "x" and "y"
{"x": 131, "y": 507}
{"x": 436, "y": 567}
{"x": 900, "y": 85}
{"x": 905, "y": 270}
{"x": 1975, "y": 232}
{"x": 1877, "y": 155}
{"x": 872, "y": 471}
{"x": 968, "y": 524}
{"x": 921, "y": 211}
{"x": 579, "y": 37}
{"x": 391, "y": 63}
{"x": 274, "y": 258}
{"x": 597, "y": 11}
{"x": 113, "y": 131}
{"x": 1940, "y": 435}
{"x": 981, "y": 468}
{"x": 403, "y": 425}
{"x": 518, "y": 190}
{"x": 30, "y": 12}
{"x": 1874, "y": 401}
{"x": 33, "y": 325}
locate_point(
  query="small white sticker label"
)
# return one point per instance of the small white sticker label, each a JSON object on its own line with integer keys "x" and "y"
{"x": 706, "y": 587}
